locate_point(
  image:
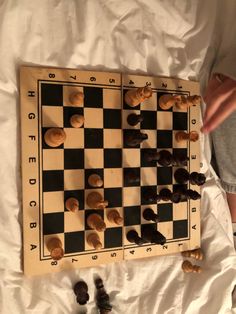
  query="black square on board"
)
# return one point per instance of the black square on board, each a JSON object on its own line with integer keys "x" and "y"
{"x": 132, "y": 215}
{"x": 148, "y": 194}
{"x": 164, "y": 139}
{"x": 182, "y": 152}
{"x": 164, "y": 175}
{"x": 180, "y": 121}
{"x": 74, "y": 242}
{"x": 180, "y": 229}
{"x": 112, "y": 118}
{"x": 93, "y": 97}
{"x": 165, "y": 212}
{"x": 149, "y": 120}
{"x": 89, "y": 172}
{"x": 112, "y": 158}
{"x": 93, "y": 138}
{"x": 144, "y": 157}
{"x": 74, "y": 158}
{"x": 131, "y": 176}
{"x": 51, "y": 94}
{"x": 68, "y": 112}
{"x": 53, "y": 223}
{"x": 53, "y": 180}
{"x": 78, "y": 194}
{"x": 113, "y": 237}
{"x": 113, "y": 196}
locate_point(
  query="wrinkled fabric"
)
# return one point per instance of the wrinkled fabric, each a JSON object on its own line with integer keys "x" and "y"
{"x": 143, "y": 37}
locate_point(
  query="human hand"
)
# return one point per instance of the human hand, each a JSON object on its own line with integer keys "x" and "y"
{"x": 220, "y": 99}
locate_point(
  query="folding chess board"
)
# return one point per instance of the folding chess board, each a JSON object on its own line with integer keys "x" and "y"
{"x": 51, "y": 175}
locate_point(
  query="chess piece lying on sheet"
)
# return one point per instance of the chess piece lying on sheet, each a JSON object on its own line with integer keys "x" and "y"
{"x": 72, "y": 204}
{"x": 188, "y": 267}
{"x": 94, "y": 241}
{"x": 95, "y": 201}
{"x": 77, "y": 120}
{"x": 54, "y": 137}
{"x": 102, "y": 298}
{"x": 182, "y": 136}
{"x": 54, "y": 245}
{"x": 197, "y": 254}
{"x": 81, "y": 292}
{"x": 167, "y": 101}
{"x": 96, "y": 222}
{"x": 134, "y": 97}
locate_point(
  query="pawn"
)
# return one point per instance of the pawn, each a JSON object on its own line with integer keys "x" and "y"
{"x": 165, "y": 159}
{"x": 150, "y": 215}
{"x": 165, "y": 194}
{"x": 134, "y": 119}
{"x": 197, "y": 178}
{"x": 77, "y": 121}
{"x": 94, "y": 241}
{"x": 176, "y": 197}
{"x": 150, "y": 195}
{"x": 193, "y": 195}
{"x": 180, "y": 160}
{"x": 167, "y": 101}
{"x": 153, "y": 236}
{"x": 95, "y": 180}
{"x": 76, "y": 98}
{"x": 134, "y": 97}
{"x": 95, "y": 201}
{"x": 152, "y": 155}
{"x": 115, "y": 217}
{"x": 134, "y": 138}
{"x": 133, "y": 237}
{"x": 188, "y": 101}
{"x": 81, "y": 292}
{"x": 72, "y": 204}
{"x": 188, "y": 267}
{"x": 197, "y": 254}
{"x": 96, "y": 222}
{"x": 54, "y": 245}
{"x": 181, "y": 175}
{"x": 182, "y": 136}
{"x": 54, "y": 137}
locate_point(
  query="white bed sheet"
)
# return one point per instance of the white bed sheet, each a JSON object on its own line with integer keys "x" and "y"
{"x": 168, "y": 38}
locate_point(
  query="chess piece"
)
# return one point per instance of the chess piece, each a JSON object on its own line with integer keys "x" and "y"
{"x": 81, "y": 292}
{"x": 96, "y": 222}
{"x": 165, "y": 194}
{"x": 72, "y": 204}
{"x": 102, "y": 298}
{"x": 150, "y": 215}
{"x": 197, "y": 178}
{"x": 131, "y": 177}
{"x": 134, "y": 97}
{"x": 94, "y": 241}
{"x": 181, "y": 175}
{"x": 153, "y": 236}
{"x": 193, "y": 195}
{"x": 167, "y": 101}
{"x": 134, "y": 137}
{"x": 134, "y": 119}
{"x": 188, "y": 101}
{"x": 175, "y": 197}
{"x": 197, "y": 254}
{"x": 77, "y": 120}
{"x": 95, "y": 201}
{"x": 150, "y": 195}
{"x": 179, "y": 159}
{"x": 182, "y": 136}
{"x": 77, "y": 98}
{"x": 152, "y": 155}
{"x": 115, "y": 217}
{"x": 54, "y": 137}
{"x": 165, "y": 159}
{"x": 133, "y": 237}
{"x": 54, "y": 245}
{"x": 188, "y": 267}
{"x": 95, "y": 180}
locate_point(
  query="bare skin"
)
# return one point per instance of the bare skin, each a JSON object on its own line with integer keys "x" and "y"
{"x": 220, "y": 98}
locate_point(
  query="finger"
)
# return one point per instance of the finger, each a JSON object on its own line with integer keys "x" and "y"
{"x": 212, "y": 85}
{"x": 217, "y": 98}
{"x": 221, "y": 114}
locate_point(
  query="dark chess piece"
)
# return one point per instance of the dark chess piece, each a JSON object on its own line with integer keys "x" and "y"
{"x": 180, "y": 160}
{"x": 165, "y": 194}
{"x": 193, "y": 195}
{"x": 197, "y": 178}
{"x": 150, "y": 196}
{"x": 181, "y": 175}
{"x": 102, "y": 298}
{"x": 152, "y": 155}
{"x": 152, "y": 235}
{"x": 134, "y": 119}
{"x": 134, "y": 137}
{"x": 81, "y": 292}
{"x": 150, "y": 215}
{"x": 176, "y": 197}
{"x": 131, "y": 177}
{"x": 165, "y": 159}
{"x": 133, "y": 237}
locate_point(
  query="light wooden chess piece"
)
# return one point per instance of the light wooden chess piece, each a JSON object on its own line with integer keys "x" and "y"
{"x": 134, "y": 97}
{"x": 115, "y": 217}
{"x": 95, "y": 201}
{"x": 77, "y": 98}
{"x": 197, "y": 254}
{"x": 72, "y": 204}
{"x": 167, "y": 101}
{"x": 94, "y": 241}
{"x": 96, "y": 222}
{"x": 77, "y": 121}
{"x": 181, "y": 136}
{"x": 95, "y": 180}
{"x": 54, "y": 245}
{"x": 187, "y": 101}
{"x": 188, "y": 267}
{"x": 54, "y": 137}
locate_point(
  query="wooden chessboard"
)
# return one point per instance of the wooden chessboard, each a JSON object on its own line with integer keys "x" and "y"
{"x": 51, "y": 175}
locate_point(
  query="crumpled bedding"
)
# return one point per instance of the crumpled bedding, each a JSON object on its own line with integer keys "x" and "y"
{"x": 170, "y": 38}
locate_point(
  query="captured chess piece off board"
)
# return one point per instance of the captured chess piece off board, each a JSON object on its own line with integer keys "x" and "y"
{"x": 110, "y": 167}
